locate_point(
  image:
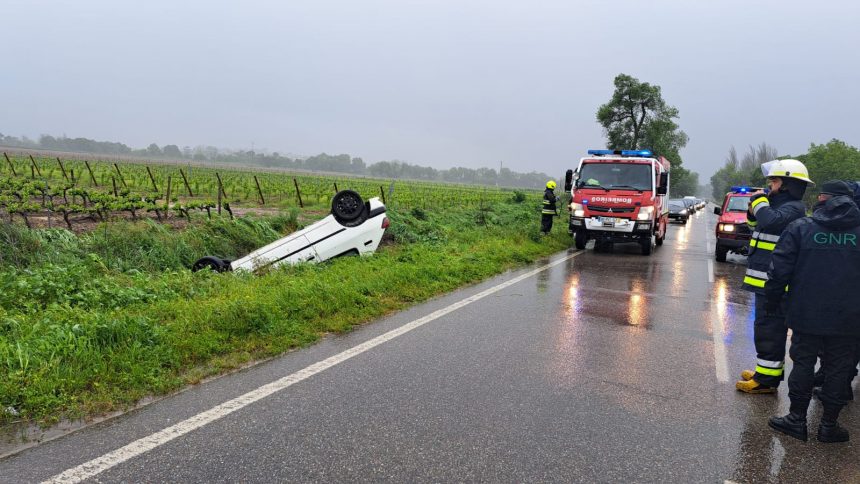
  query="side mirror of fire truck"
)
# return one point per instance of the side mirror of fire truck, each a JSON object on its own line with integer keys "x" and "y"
{"x": 568, "y": 180}
{"x": 718, "y": 211}
{"x": 664, "y": 184}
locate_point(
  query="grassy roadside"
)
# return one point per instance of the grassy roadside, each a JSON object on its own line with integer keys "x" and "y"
{"x": 94, "y": 323}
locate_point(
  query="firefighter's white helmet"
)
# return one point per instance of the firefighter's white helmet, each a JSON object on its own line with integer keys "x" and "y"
{"x": 786, "y": 169}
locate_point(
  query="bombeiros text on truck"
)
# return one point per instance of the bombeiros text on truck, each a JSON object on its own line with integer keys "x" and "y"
{"x": 619, "y": 196}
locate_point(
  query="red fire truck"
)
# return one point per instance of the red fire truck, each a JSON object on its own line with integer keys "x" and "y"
{"x": 619, "y": 196}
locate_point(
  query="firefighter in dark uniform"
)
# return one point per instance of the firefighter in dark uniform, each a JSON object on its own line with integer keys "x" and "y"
{"x": 768, "y": 216}
{"x": 818, "y": 258}
{"x": 548, "y": 210}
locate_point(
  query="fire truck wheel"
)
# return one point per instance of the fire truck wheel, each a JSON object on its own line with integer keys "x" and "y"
{"x": 659, "y": 240}
{"x": 647, "y": 245}
{"x": 580, "y": 239}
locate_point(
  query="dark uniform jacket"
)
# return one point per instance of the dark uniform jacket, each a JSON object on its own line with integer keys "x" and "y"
{"x": 771, "y": 215}
{"x": 549, "y": 199}
{"x": 818, "y": 258}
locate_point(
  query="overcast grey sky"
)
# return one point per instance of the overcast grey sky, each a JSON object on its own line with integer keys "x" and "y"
{"x": 432, "y": 82}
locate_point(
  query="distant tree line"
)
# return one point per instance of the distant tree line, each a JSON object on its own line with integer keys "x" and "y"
{"x": 832, "y": 160}
{"x": 342, "y": 163}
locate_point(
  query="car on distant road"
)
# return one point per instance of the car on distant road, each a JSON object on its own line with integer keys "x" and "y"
{"x": 354, "y": 227}
{"x": 732, "y": 232}
{"x": 678, "y": 211}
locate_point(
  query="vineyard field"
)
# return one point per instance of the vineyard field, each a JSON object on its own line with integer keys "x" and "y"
{"x": 76, "y": 189}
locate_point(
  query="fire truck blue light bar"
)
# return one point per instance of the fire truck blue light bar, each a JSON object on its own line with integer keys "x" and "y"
{"x": 645, "y": 153}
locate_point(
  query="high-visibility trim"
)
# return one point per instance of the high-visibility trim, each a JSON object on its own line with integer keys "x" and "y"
{"x": 757, "y": 274}
{"x": 752, "y": 281}
{"x": 763, "y": 236}
{"x": 769, "y": 371}
{"x": 770, "y": 364}
{"x": 760, "y": 244}
{"x": 548, "y": 212}
{"x": 752, "y": 223}
{"x": 758, "y": 203}
{"x": 546, "y": 202}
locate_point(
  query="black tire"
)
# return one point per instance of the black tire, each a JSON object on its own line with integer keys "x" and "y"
{"x": 580, "y": 238}
{"x": 720, "y": 253}
{"x": 348, "y": 208}
{"x": 647, "y": 246}
{"x": 683, "y": 221}
{"x": 212, "y": 263}
{"x": 659, "y": 240}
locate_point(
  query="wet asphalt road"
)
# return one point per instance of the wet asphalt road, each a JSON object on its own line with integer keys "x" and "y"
{"x": 604, "y": 368}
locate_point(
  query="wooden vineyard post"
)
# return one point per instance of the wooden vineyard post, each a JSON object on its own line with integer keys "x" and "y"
{"x": 119, "y": 173}
{"x": 298, "y": 193}
{"x": 382, "y": 192}
{"x": 167, "y": 200}
{"x": 32, "y": 172}
{"x": 11, "y": 166}
{"x": 220, "y": 191}
{"x": 152, "y": 179}
{"x": 113, "y": 181}
{"x": 92, "y": 176}
{"x": 35, "y": 166}
{"x": 74, "y": 182}
{"x": 62, "y": 169}
{"x": 259, "y": 191}
{"x": 335, "y": 188}
{"x": 185, "y": 179}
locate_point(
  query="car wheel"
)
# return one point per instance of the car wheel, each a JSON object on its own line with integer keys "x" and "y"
{"x": 720, "y": 253}
{"x": 212, "y": 263}
{"x": 580, "y": 238}
{"x": 348, "y": 208}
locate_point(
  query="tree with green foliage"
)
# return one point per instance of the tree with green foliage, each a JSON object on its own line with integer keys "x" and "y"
{"x": 638, "y": 117}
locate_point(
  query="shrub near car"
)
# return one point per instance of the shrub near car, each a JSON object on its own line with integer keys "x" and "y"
{"x": 733, "y": 234}
{"x": 678, "y": 211}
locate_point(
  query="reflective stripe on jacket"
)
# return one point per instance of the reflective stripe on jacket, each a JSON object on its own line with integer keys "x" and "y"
{"x": 549, "y": 200}
{"x": 770, "y": 216}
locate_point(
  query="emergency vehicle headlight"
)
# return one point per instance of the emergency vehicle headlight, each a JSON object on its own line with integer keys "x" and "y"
{"x": 645, "y": 213}
{"x": 727, "y": 227}
{"x": 577, "y": 209}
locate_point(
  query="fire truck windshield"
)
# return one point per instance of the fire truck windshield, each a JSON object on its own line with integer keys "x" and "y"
{"x": 615, "y": 176}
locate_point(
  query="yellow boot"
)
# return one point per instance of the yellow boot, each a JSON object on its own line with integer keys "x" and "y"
{"x": 747, "y": 375}
{"x": 752, "y": 386}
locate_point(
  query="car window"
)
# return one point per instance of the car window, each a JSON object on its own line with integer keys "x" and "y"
{"x": 738, "y": 204}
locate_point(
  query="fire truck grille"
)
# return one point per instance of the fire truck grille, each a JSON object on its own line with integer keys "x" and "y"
{"x": 595, "y": 208}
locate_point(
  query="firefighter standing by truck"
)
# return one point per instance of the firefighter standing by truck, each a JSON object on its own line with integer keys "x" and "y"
{"x": 769, "y": 215}
{"x": 548, "y": 210}
{"x": 818, "y": 259}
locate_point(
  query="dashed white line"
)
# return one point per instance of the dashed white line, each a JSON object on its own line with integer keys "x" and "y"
{"x": 145, "y": 444}
{"x": 710, "y": 271}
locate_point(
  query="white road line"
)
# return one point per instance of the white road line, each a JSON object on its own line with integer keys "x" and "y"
{"x": 145, "y": 444}
{"x": 710, "y": 271}
{"x": 721, "y": 364}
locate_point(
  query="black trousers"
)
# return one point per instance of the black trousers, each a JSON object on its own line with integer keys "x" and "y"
{"x": 770, "y": 334}
{"x": 838, "y": 353}
{"x": 546, "y": 222}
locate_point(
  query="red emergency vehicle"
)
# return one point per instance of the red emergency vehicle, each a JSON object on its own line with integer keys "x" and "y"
{"x": 733, "y": 234}
{"x": 619, "y": 196}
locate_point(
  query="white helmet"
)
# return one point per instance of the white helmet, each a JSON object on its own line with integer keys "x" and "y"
{"x": 786, "y": 169}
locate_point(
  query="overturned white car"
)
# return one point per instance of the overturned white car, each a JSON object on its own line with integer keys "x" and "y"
{"x": 354, "y": 227}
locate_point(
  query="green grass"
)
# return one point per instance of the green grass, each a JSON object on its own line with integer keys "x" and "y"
{"x": 93, "y": 323}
